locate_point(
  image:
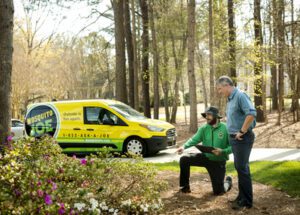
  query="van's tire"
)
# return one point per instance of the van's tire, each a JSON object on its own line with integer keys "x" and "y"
{"x": 135, "y": 145}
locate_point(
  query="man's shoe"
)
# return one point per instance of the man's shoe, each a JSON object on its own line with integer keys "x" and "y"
{"x": 237, "y": 205}
{"x": 227, "y": 184}
{"x": 235, "y": 200}
{"x": 185, "y": 189}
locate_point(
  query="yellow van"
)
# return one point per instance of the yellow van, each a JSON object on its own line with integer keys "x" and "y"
{"x": 86, "y": 126}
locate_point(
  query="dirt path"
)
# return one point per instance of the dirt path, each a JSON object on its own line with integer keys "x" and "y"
{"x": 267, "y": 200}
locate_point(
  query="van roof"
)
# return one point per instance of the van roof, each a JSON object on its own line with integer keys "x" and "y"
{"x": 105, "y": 101}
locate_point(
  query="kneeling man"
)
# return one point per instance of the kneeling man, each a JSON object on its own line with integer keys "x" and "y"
{"x": 213, "y": 134}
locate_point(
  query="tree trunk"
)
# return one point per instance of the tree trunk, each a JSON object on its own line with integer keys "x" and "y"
{"x": 298, "y": 92}
{"x": 294, "y": 107}
{"x": 138, "y": 60}
{"x": 165, "y": 79}
{"x": 280, "y": 32}
{"x": 191, "y": 72}
{"x": 232, "y": 38}
{"x": 6, "y": 51}
{"x": 145, "y": 58}
{"x": 155, "y": 63}
{"x": 130, "y": 54}
{"x": 200, "y": 63}
{"x": 184, "y": 104}
{"x": 121, "y": 88}
{"x": 274, "y": 79}
{"x": 258, "y": 67}
{"x": 178, "y": 61}
{"x": 211, "y": 55}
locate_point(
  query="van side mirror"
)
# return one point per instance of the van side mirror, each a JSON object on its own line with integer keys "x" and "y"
{"x": 108, "y": 121}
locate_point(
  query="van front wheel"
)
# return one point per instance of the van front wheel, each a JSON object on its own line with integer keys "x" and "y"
{"x": 135, "y": 146}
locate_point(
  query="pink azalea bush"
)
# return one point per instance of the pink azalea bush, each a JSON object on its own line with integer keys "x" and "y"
{"x": 36, "y": 178}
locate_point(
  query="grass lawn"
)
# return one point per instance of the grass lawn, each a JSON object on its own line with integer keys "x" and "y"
{"x": 284, "y": 175}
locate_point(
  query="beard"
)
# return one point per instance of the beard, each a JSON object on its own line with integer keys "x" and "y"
{"x": 212, "y": 122}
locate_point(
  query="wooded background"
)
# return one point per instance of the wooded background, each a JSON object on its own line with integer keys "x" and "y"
{"x": 162, "y": 53}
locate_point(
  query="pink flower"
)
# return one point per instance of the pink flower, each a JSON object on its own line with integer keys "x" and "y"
{"x": 48, "y": 200}
{"x": 71, "y": 211}
{"x": 40, "y": 193}
{"x": 61, "y": 209}
{"x": 83, "y": 162}
{"x": 17, "y": 192}
{"x": 9, "y": 138}
{"x": 74, "y": 157}
{"x": 39, "y": 183}
{"x": 54, "y": 186}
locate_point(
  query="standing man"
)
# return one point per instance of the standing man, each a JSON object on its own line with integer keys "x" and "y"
{"x": 241, "y": 115}
{"x": 213, "y": 134}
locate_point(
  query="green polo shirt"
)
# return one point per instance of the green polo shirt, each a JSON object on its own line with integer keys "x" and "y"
{"x": 212, "y": 136}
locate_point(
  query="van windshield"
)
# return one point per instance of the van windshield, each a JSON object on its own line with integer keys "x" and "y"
{"x": 127, "y": 112}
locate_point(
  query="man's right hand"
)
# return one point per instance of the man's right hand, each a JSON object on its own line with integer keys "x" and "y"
{"x": 180, "y": 150}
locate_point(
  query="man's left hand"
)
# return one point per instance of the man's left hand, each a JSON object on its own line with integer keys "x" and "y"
{"x": 217, "y": 152}
{"x": 239, "y": 136}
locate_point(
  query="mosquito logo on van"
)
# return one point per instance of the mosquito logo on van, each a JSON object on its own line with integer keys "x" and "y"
{"x": 41, "y": 120}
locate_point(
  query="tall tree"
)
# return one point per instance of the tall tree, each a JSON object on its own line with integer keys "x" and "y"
{"x": 121, "y": 88}
{"x": 211, "y": 54}
{"x": 298, "y": 91}
{"x": 130, "y": 52}
{"x": 191, "y": 59}
{"x": 179, "y": 56}
{"x": 135, "y": 60}
{"x": 201, "y": 68}
{"x": 165, "y": 77}
{"x": 258, "y": 67}
{"x": 231, "y": 39}
{"x": 178, "y": 60}
{"x": 155, "y": 62}
{"x": 6, "y": 51}
{"x": 145, "y": 58}
{"x": 293, "y": 75}
{"x": 280, "y": 57}
{"x": 274, "y": 78}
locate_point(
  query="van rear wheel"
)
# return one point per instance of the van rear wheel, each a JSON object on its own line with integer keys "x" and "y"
{"x": 135, "y": 146}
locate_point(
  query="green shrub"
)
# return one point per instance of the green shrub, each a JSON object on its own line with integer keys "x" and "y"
{"x": 36, "y": 178}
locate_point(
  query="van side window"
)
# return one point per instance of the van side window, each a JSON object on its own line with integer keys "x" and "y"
{"x": 107, "y": 115}
{"x": 91, "y": 115}
{"x": 96, "y": 115}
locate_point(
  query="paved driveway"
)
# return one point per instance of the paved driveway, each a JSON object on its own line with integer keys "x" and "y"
{"x": 257, "y": 154}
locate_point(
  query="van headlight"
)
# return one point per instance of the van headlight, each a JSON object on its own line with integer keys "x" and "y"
{"x": 152, "y": 128}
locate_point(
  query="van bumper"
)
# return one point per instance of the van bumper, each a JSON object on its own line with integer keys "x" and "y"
{"x": 157, "y": 143}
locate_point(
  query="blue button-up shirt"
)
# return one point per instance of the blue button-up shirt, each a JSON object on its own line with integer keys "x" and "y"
{"x": 239, "y": 106}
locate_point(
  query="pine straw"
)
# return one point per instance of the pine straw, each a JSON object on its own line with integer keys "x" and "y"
{"x": 267, "y": 200}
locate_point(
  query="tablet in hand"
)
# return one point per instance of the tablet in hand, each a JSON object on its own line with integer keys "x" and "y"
{"x": 205, "y": 149}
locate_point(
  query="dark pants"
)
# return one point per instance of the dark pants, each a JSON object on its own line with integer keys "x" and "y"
{"x": 216, "y": 170}
{"x": 241, "y": 151}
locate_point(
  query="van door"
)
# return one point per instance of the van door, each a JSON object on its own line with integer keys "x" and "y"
{"x": 102, "y": 128}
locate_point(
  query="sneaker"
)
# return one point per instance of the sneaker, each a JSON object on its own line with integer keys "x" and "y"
{"x": 185, "y": 189}
{"x": 228, "y": 183}
{"x": 234, "y": 200}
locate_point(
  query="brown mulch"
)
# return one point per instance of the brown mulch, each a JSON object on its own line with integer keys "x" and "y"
{"x": 268, "y": 135}
{"x": 267, "y": 200}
